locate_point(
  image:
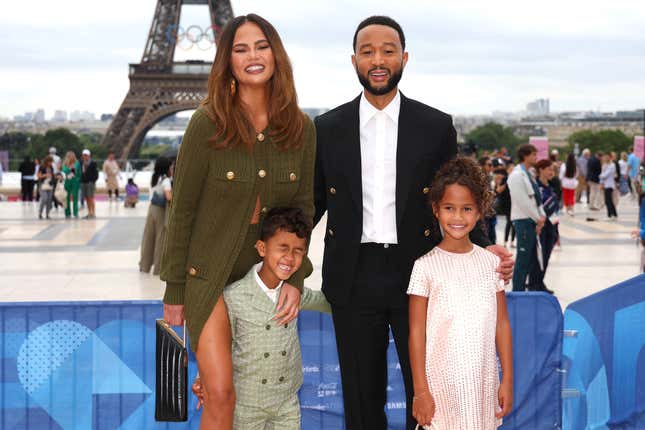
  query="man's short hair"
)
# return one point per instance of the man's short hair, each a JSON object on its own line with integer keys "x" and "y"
{"x": 525, "y": 150}
{"x": 380, "y": 20}
{"x": 292, "y": 220}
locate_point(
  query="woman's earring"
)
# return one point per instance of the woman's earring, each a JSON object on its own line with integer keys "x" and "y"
{"x": 233, "y": 87}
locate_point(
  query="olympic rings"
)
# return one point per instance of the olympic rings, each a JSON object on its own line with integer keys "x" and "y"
{"x": 194, "y": 35}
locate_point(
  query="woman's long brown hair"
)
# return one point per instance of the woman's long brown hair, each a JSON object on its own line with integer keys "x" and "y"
{"x": 286, "y": 121}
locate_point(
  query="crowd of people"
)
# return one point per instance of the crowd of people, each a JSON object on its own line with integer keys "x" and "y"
{"x": 56, "y": 182}
{"x": 532, "y": 195}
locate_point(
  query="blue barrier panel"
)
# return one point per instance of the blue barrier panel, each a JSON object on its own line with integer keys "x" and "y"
{"x": 605, "y": 359}
{"x": 89, "y": 365}
{"x": 536, "y": 320}
{"x": 80, "y": 365}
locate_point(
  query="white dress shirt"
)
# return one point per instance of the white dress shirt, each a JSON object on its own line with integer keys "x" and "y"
{"x": 379, "y": 134}
{"x": 272, "y": 293}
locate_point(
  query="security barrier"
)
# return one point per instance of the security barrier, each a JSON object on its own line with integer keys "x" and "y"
{"x": 604, "y": 359}
{"x": 90, "y": 365}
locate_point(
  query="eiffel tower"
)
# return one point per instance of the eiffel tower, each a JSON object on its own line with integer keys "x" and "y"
{"x": 160, "y": 87}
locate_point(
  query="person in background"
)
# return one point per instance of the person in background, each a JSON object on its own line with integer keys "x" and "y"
{"x": 581, "y": 164}
{"x": 503, "y": 203}
{"x": 616, "y": 193}
{"x": 640, "y": 233}
{"x": 27, "y": 171}
{"x": 36, "y": 181}
{"x": 624, "y": 184}
{"x": 56, "y": 165}
{"x": 490, "y": 220}
{"x": 111, "y": 171}
{"x": 72, "y": 173}
{"x": 131, "y": 194}
{"x": 549, "y": 234}
{"x": 528, "y": 216}
{"x": 633, "y": 170}
{"x": 607, "y": 179}
{"x": 594, "y": 168}
{"x": 154, "y": 232}
{"x": 47, "y": 182}
{"x": 569, "y": 181}
{"x": 89, "y": 176}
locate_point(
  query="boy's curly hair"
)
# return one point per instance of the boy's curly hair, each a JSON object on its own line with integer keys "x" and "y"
{"x": 464, "y": 171}
{"x": 292, "y": 220}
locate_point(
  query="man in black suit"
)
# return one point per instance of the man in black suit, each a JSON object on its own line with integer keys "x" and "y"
{"x": 376, "y": 158}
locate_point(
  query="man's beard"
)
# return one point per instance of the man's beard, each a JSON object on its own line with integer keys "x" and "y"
{"x": 389, "y": 86}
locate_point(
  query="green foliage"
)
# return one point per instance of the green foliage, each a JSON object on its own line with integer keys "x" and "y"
{"x": 151, "y": 152}
{"x": 20, "y": 144}
{"x": 603, "y": 140}
{"x": 492, "y": 135}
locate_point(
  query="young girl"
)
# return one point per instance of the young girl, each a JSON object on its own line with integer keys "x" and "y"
{"x": 458, "y": 314}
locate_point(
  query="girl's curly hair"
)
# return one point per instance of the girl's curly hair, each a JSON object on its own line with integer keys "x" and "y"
{"x": 464, "y": 171}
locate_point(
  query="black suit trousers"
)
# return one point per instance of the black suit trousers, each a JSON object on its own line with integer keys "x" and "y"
{"x": 378, "y": 302}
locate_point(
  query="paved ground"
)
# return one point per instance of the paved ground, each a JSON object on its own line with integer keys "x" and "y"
{"x": 98, "y": 259}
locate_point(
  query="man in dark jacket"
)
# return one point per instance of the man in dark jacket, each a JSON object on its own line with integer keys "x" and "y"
{"x": 593, "y": 178}
{"x": 89, "y": 176}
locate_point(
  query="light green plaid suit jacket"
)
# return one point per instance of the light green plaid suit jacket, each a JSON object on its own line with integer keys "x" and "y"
{"x": 267, "y": 364}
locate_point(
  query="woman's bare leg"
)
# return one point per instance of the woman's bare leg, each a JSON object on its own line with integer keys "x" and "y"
{"x": 216, "y": 370}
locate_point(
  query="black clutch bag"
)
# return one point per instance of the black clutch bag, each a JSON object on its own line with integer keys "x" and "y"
{"x": 171, "y": 388}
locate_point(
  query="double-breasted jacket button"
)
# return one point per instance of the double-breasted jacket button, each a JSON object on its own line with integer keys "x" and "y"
{"x": 283, "y": 353}
{"x": 264, "y": 210}
{"x": 426, "y": 233}
{"x": 230, "y": 175}
{"x": 268, "y": 327}
{"x": 261, "y": 137}
{"x": 266, "y": 355}
{"x": 331, "y": 232}
{"x": 332, "y": 190}
{"x": 426, "y": 190}
{"x": 281, "y": 378}
{"x": 292, "y": 176}
{"x": 262, "y": 173}
{"x": 192, "y": 271}
{"x": 264, "y": 381}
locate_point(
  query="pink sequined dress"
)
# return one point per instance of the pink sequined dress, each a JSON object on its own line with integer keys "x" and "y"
{"x": 461, "y": 359}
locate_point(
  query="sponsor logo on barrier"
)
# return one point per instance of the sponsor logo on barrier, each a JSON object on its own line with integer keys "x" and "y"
{"x": 395, "y": 405}
{"x": 311, "y": 369}
{"x": 327, "y": 390}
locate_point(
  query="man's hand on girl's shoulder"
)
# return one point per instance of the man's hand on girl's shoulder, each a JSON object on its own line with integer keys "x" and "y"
{"x": 506, "y": 265}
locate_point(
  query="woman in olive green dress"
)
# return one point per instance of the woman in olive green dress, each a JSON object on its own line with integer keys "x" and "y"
{"x": 246, "y": 149}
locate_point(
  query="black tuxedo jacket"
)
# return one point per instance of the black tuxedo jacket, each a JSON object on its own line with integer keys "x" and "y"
{"x": 426, "y": 139}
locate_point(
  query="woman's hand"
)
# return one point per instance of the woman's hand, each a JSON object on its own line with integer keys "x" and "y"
{"x": 173, "y": 314}
{"x": 505, "y": 398}
{"x": 506, "y": 264}
{"x": 198, "y": 391}
{"x": 288, "y": 304}
{"x": 423, "y": 408}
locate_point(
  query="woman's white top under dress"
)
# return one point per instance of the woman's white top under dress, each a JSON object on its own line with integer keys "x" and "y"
{"x": 461, "y": 360}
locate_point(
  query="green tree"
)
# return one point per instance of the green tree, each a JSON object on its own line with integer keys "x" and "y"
{"x": 492, "y": 136}
{"x": 603, "y": 140}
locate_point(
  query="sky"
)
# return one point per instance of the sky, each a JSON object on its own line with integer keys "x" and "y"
{"x": 465, "y": 57}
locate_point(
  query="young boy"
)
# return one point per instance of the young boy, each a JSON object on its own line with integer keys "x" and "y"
{"x": 267, "y": 364}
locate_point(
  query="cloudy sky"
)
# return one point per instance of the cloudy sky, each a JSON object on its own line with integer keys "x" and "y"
{"x": 466, "y": 57}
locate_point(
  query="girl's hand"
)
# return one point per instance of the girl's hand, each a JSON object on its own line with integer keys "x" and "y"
{"x": 173, "y": 314}
{"x": 288, "y": 304}
{"x": 423, "y": 408}
{"x": 198, "y": 391}
{"x": 505, "y": 397}
{"x": 635, "y": 234}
